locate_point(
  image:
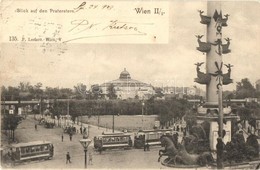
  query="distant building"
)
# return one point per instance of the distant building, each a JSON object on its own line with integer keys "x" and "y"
{"x": 126, "y": 87}
{"x": 180, "y": 91}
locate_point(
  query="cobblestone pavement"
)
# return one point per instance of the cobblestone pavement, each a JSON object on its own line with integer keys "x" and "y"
{"x": 112, "y": 159}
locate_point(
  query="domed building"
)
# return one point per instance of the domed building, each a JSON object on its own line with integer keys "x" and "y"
{"x": 126, "y": 87}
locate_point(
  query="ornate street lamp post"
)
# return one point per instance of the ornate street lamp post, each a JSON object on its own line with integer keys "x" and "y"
{"x": 85, "y": 143}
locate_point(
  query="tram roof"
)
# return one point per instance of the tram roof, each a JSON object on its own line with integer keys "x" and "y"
{"x": 31, "y": 143}
{"x": 156, "y": 130}
{"x": 114, "y": 135}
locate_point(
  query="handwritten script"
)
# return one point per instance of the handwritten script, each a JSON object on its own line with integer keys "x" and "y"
{"x": 111, "y": 28}
{"x": 86, "y": 22}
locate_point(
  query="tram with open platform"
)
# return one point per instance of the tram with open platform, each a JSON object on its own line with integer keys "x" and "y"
{"x": 112, "y": 141}
{"x": 31, "y": 151}
{"x": 150, "y": 137}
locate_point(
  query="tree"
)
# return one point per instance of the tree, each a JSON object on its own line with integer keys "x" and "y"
{"x": 66, "y": 93}
{"x": 10, "y": 93}
{"x": 52, "y": 93}
{"x": 245, "y": 89}
{"x": 24, "y": 86}
{"x": 228, "y": 95}
{"x": 158, "y": 92}
{"x": 111, "y": 92}
{"x": 10, "y": 122}
{"x": 81, "y": 91}
{"x": 38, "y": 90}
{"x": 244, "y": 113}
{"x": 96, "y": 91}
{"x": 164, "y": 115}
{"x": 191, "y": 118}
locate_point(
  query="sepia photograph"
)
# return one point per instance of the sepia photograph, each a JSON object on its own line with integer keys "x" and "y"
{"x": 120, "y": 84}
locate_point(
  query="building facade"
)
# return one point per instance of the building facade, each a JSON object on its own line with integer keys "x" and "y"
{"x": 128, "y": 88}
{"x": 189, "y": 91}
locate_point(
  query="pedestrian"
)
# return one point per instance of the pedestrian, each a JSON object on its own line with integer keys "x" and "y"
{"x": 80, "y": 130}
{"x": 90, "y": 158}
{"x": 175, "y": 139}
{"x": 68, "y": 158}
{"x": 70, "y": 137}
{"x": 147, "y": 146}
{"x": 177, "y": 129}
{"x": 62, "y": 137}
{"x": 35, "y": 126}
{"x": 130, "y": 142}
{"x": 248, "y": 130}
{"x": 220, "y": 147}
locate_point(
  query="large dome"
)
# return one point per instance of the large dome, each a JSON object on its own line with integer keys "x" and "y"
{"x": 126, "y": 87}
{"x": 124, "y": 75}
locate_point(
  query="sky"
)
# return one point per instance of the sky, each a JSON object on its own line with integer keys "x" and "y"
{"x": 167, "y": 64}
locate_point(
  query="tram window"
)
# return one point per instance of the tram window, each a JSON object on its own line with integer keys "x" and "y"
{"x": 103, "y": 139}
{"x": 112, "y": 139}
{"x": 32, "y": 149}
{"x": 41, "y": 148}
{"x": 37, "y": 148}
{"x": 27, "y": 149}
{"x": 151, "y": 136}
{"x": 23, "y": 150}
{"x": 45, "y": 147}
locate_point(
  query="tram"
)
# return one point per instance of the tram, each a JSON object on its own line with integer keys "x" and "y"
{"x": 32, "y": 150}
{"x": 112, "y": 141}
{"x": 151, "y": 137}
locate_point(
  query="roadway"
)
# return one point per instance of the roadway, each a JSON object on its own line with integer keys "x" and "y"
{"x": 112, "y": 159}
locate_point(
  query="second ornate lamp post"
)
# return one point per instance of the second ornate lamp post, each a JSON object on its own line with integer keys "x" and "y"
{"x": 85, "y": 143}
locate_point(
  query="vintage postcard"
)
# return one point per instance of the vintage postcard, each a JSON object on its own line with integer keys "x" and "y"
{"x": 129, "y": 84}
